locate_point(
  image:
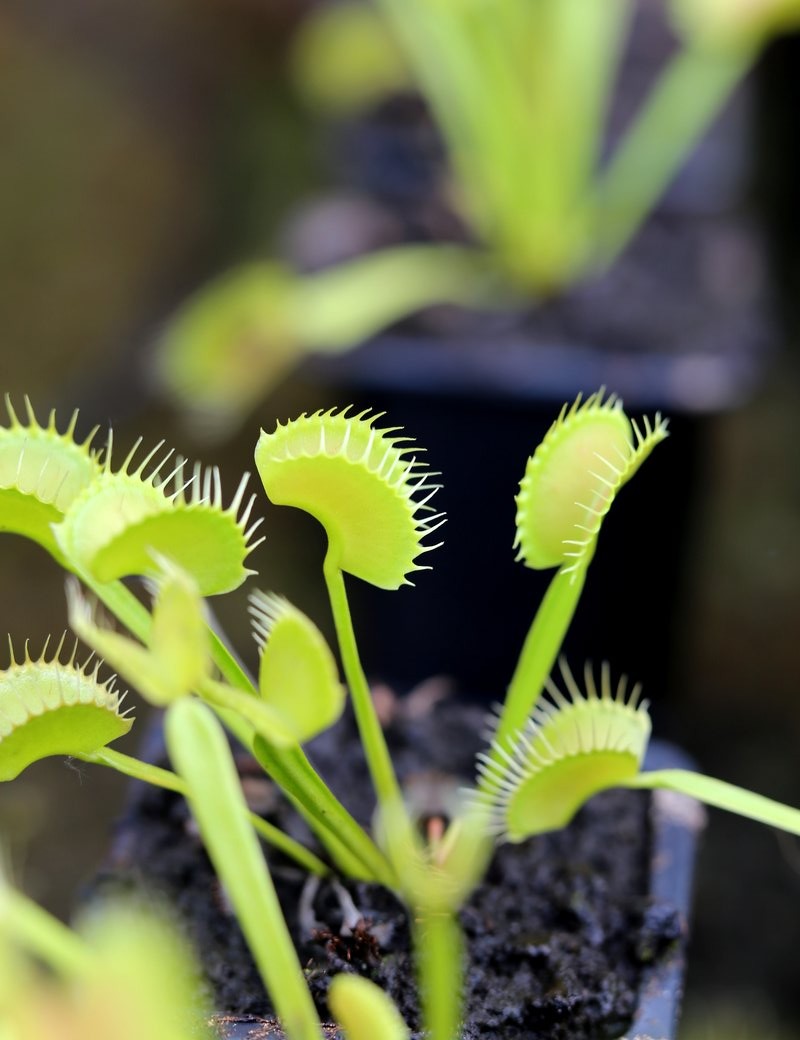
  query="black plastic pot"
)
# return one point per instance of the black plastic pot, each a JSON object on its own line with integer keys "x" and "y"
{"x": 676, "y": 824}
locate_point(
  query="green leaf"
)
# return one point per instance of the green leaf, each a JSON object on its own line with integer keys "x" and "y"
{"x": 297, "y": 675}
{"x": 122, "y": 518}
{"x": 265, "y": 720}
{"x": 200, "y": 754}
{"x": 571, "y": 480}
{"x": 357, "y": 481}
{"x": 734, "y": 24}
{"x": 364, "y": 1011}
{"x": 28, "y": 926}
{"x": 41, "y": 473}
{"x": 352, "y": 849}
{"x": 179, "y": 634}
{"x": 722, "y": 795}
{"x": 145, "y": 982}
{"x": 175, "y": 659}
{"x": 572, "y": 748}
{"x": 52, "y": 708}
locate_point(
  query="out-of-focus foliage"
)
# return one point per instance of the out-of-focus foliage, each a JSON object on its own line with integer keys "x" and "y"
{"x": 91, "y": 191}
{"x": 345, "y": 58}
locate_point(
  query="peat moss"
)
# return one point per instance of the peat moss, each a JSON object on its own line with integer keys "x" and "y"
{"x": 557, "y": 933}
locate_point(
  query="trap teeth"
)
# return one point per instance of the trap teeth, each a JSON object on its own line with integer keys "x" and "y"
{"x": 48, "y": 707}
{"x": 360, "y": 482}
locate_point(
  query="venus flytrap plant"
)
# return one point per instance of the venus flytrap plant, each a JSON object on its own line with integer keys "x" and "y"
{"x": 117, "y": 519}
{"x": 172, "y": 659}
{"x": 520, "y": 92}
{"x": 364, "y": 484}
{"x": 351, "y": 477}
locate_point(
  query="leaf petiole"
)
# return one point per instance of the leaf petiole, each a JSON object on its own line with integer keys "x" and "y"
{"x": 197, "y": 745}
{"x": 42, "y": 934}
{"x": 379, "y": 761}
{"x": 539, "y": 653}
{"x": 721, "y": 795}
{"x": 169, "y": 781}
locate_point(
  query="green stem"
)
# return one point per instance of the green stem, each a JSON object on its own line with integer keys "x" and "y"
{"x": 42, "y": 934}
{"x": 137, "y": 619}
{"x": 247, "y": 705}
{"x": 687, "y": 97}
{"x": 379, "y": 761}
{"x": 349, "y": 302}
{"x": 439, "y": 955}
{"x": 290, "y": 769}
{"x": 197, "y": 746}
{"x": 295, "y": 775}
{"x": 721, "y": 795}
{"x": 122, "y": 603}
{"x": 169, "y": 781}
{"x": 540, "y": 650}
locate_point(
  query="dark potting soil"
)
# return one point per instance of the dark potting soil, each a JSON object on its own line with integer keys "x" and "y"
{"x": 557, "y": 933}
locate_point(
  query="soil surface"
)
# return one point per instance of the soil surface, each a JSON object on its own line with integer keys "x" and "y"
{"x": 557, "y": 933}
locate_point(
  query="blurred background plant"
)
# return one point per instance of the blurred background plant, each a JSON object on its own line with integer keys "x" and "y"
{"x": 149, "y": 150}
{"x": 541, "y": 186}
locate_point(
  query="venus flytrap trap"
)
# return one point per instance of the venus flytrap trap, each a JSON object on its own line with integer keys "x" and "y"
{"x": 113, "y": 523}
{"x": 294, "y": 659}
{"x": 552, "y": 748}
{"x": 571, "y": 748}
{"x": 358, "y": 482}
{"x": 49, "y": 707}
{"x": 41, "y": 473}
